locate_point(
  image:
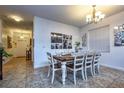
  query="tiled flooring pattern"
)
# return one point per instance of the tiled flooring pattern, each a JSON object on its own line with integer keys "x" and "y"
{"x": 19, "y": 73}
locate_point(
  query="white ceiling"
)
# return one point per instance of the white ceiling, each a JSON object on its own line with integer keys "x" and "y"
{"x": 68, "y": 14}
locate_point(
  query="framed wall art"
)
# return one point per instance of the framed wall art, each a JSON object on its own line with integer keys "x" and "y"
{"x": 9, "y": 42}
{"x": 61, "y": 41}
{"x": 84, "y": 40}
{"x": 119, "y": 36}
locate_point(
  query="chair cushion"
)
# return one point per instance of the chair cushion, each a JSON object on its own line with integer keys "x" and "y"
{"x": 56, "y": 66}
{"x": 72, "y": 66}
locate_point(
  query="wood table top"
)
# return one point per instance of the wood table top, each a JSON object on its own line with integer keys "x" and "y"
{"x": 64, "y": 58}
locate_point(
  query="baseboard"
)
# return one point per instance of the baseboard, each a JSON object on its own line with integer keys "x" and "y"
{"x": 41, "y": 65}
{"x": 20, "y": 56}
{"x": 113, "y": 67}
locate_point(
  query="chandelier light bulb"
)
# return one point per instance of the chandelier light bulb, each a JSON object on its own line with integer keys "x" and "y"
{"x": 21, "y": 37}
{"x": 102, "y": 16}
{"x": 88, "y": 18}
{"x": 98, "y": 13}
{"x": 116, "y": 27}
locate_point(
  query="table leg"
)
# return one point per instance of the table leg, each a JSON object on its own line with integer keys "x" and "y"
{"x": 63, "y": 72}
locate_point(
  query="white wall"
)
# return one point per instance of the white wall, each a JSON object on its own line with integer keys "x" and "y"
{"x": 116, "y": 56}
{"x": 42, "y": 38}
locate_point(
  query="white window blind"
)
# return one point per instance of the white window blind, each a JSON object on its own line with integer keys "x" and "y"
{"x": 99, "y": 39}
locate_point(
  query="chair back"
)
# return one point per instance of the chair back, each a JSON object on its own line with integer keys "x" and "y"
{"x": 96, "y": 57}
{"x": 89, "y": 58}
{"x": 79, "y": 61}
{"x": 50, "y": 58}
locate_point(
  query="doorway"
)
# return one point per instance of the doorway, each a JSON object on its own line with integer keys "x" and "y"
{"x": 16, "y": 40}
{"x": 22, "y": 43}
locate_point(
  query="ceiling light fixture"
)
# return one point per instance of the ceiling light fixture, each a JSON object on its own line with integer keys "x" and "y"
{"x": 16, "y": 18}
{"x": 95, "y": 17}
{"x": 21, "y": 36}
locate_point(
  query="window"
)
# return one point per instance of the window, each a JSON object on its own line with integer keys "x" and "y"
{"x": 99, "y": 39}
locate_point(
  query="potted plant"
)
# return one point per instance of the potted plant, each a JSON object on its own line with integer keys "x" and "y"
{"x": 3, "y": 53}
{"x": 77, "y": 46}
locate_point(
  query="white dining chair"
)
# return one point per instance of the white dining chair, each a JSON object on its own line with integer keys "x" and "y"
{"x": 77, "y": 66}
{"x": 96, "y": 60}
{"x": 53, "y": 66}
{"x": 88, "y": 63}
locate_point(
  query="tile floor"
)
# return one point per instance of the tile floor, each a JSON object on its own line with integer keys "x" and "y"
{"x": 19, "y": 73}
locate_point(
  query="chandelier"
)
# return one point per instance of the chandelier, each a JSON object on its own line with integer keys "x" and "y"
{"x": 95, "y": 17}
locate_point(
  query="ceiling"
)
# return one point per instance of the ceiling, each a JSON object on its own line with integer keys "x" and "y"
{"x": 69, "y": 14}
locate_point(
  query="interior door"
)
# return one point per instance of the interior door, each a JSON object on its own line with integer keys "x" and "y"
{"x": 20, "y": 50}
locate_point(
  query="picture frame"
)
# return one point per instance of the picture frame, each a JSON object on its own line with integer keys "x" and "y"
{"x": 9, "y": 42}
{"x": 119, "y": 37}
{"x": 84, "y": 40}
{"x": 61, "y": 41}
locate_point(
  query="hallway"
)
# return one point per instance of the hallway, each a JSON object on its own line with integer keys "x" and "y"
{"x": 19, "y": 73}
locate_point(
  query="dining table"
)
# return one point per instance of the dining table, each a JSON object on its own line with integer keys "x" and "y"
{"x": 64, "y": 59}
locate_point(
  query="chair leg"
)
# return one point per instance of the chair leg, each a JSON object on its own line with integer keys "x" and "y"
{"x": 94, "y": 70}
{"x": 66, "y": 73}
{"x": 53, "y": 75}
{"x": 75, "y": 77}
{"x": 49, "y": 70}
{"x": 91, "y": 69}
{"x": 83, "y": 75}
{"x": 98, "y": 69}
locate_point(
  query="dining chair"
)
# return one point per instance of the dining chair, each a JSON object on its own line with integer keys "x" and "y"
{"x": 88, "y": 63}
{"x": 53, "y": 66}
{"x": 77, "y": 66}
{"x": 96, "y": 62}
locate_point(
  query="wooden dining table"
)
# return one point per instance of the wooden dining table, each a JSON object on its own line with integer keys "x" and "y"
{"x": 64, "y": 59}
